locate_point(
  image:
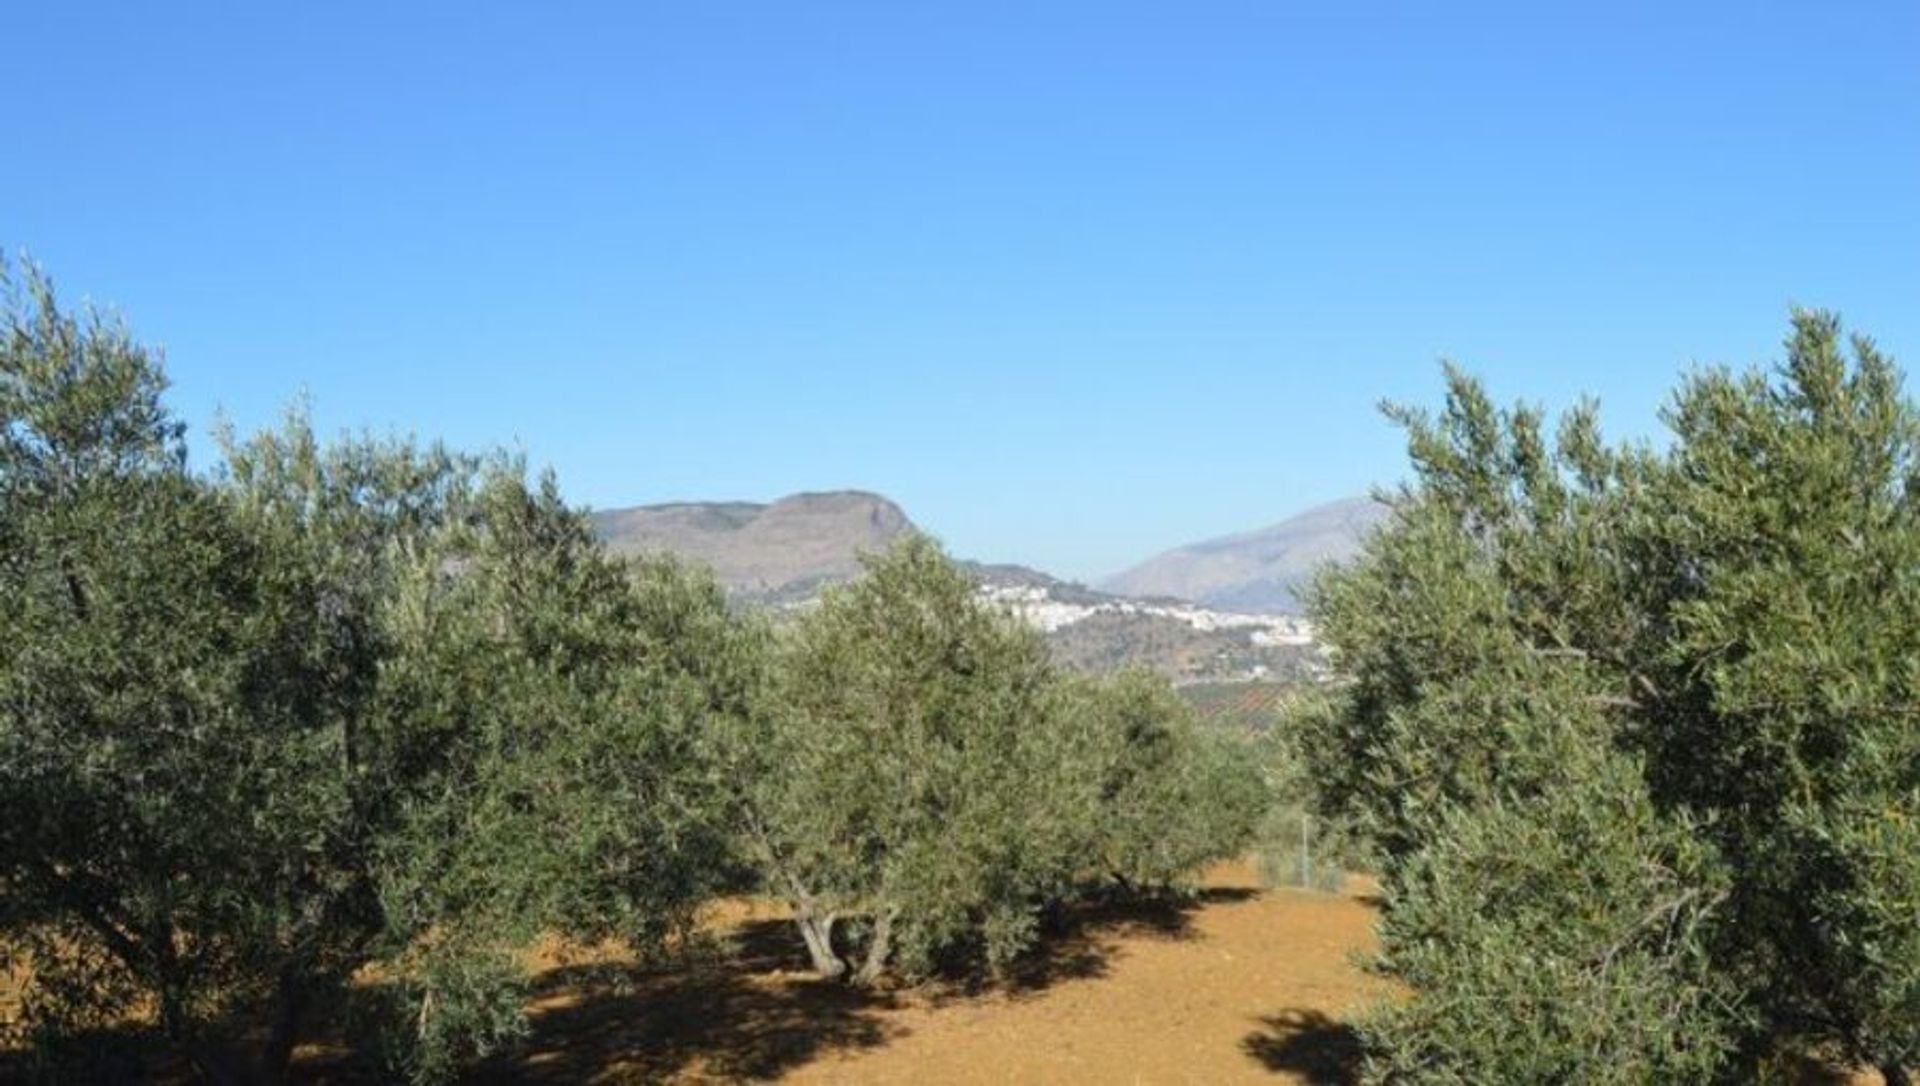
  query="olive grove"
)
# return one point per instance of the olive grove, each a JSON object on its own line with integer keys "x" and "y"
{"x": 344, "y": 727}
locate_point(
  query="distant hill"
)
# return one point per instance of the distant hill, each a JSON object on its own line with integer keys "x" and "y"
{"x": 1098, "y": 631}
{"x": 1259, "y": 571}
{"x": 780, "y": 554}
{"x": 774, "y": 551}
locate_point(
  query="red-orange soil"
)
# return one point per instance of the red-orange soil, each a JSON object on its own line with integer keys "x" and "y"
{"x": 1244, "y": 985}
{"x": 1240, "y": 985}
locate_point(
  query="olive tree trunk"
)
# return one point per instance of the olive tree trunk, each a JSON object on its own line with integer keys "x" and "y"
{"x": 816, "y": 930}
{"x": 879, "y": 949}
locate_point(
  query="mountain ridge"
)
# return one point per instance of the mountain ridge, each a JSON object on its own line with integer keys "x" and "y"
{"x": 767, "y": 550}
{"x": 1263, "y": 570}
{"x": 783, "y": 552}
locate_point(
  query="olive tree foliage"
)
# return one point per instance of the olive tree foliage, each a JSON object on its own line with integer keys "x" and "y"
{"x": 904, "y": 763}
{"x": 1645, "y": 716}
{"x": 924, "y": 788}
{"x": 546, "y": 731}
{"x": 1558, "y": 928}
{"x": 1790, "y": 688}
{"x": 1171, "y": 797}
{"x": 318, "y": 711}
{"x": 162, "y": 769}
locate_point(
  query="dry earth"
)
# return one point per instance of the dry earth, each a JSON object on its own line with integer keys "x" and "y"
{"x": 1241, "y": 986}
{"x": 1238, "y": 985}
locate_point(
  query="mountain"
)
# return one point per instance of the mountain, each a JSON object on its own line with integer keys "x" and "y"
{"x": 782, "y": 553}
{"x": 1258, "y": 571}
{"x": 773, "y": 551}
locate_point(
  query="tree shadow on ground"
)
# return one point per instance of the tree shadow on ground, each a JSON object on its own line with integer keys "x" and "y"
{"x": 591, "y": 1023}
{"x": 1802, "y": 1069}
{"x": 1165, "y": 916}
{"x": 106, "y": 1054}
{"x": 754, "y": 1012}
{"x": 1308, "y": 1043}
{"x": 1079, "y": 943}
{"x": 748, "y": 1009}
{"x": 1327, "y": 1052}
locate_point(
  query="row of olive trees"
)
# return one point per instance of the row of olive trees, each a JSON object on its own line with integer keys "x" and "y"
{"x": 368, "y": 717}
{"x": 1633, "y": 732}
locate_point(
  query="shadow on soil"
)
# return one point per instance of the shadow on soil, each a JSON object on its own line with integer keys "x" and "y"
{"x": 99, "y": 1055}
{"x": 750, "y": 1011}
{"x": 755, "y": 1014}
{"x": 1326, "y": 1052}
{"x": 712, "y": 1019}
{"x": 1322, "y": 1050}
{"x": 1080, "y": 943}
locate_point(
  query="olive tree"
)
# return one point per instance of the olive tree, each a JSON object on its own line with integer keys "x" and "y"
{"x": 904, "y": 761}
{"x": 1722, "y": 630}
{"x": 318, "y": 711}
{"x": 166, "y": 791}
{"x": 544, "y": 719}
{"x": 1171, "y": 797}
{"x": 923, "y": 787}
{"x": 1784, "y": 698}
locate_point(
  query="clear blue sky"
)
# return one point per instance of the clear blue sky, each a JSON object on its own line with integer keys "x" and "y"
{"x": 1071, "y": 282}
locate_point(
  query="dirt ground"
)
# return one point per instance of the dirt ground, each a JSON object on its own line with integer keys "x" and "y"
{"x": 1243, "y": 985}
{"x": 1240, "y": 985}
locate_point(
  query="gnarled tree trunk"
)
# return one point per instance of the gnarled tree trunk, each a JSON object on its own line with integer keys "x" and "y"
{"x": 816, "y": 930}
{"x": 879, "y": 949}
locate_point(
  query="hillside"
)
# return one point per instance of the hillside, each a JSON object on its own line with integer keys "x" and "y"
{"x": 1099, "y": 631}
{"x": 773, "y": 552}
{"x": 1259, "y": 571}
{"x": 782, "y": 553}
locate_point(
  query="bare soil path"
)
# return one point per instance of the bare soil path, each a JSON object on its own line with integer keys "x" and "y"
{"x": 1243, "y": 985}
